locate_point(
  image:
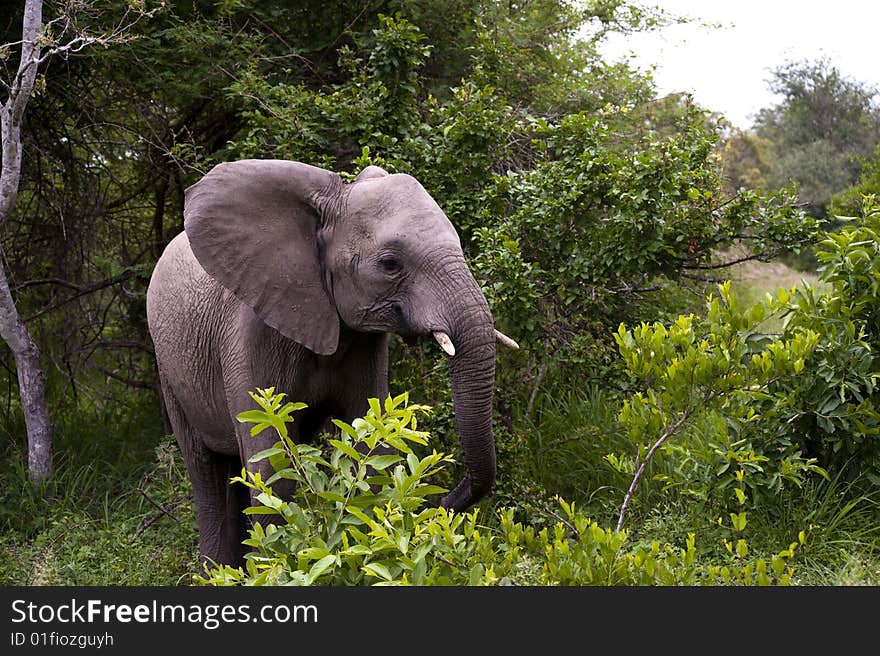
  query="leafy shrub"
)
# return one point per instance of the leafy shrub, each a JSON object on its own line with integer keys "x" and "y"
{"x": 834, "y": 404}
{"x": 360, "y": 516}
{"x": 723, "y": 402}
{"x": 357, "y": 515}
{"x": 706, "y": 406}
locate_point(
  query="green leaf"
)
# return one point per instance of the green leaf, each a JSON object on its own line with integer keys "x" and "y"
{"x": 260, "y": 510}
{"x": 347, "y": 449}
{"x": 364, "y": 501}
{"x": 313, "y": 553}
{"x": 332, "y": 496}
{"x": 476, "y": 574}
{"x": 286, "y": 473}
{"x": 377, "y": 569}
{"x": 254, "y": 416}
{"x": 418, "y": 572}
{"x": 320, "y": 567}
{"x": 267, "y": 453}
{"x": 289, "y": 408}
{"x": 382, "y": 461}
{"x": 359, "y": 514}
{"x": 347, "y": 429}
{"x": 425, "y": 490}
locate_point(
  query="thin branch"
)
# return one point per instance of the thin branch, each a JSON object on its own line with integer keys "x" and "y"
{"x": 155, "y": 518}
{"x": 632, "y": 289}
{"x": 564, "y": 521}
{"x": 716, "y": 281}
{"x": 159, "y": 506}
{"x": 746, "y": 258}
{"x": 82, "y": 292}
{"x": 638, "y": 475}
{"x": 70, "y": 48}
{"x": 116, "y": 343}
{"x": 47, "y": 281}
{"x": 131, "y": 382}
{"x": 542, "y": 370}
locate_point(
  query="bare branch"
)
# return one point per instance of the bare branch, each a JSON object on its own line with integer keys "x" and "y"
{"x": 116, "y": 343}
{"x": 564, "y": 521}
{"x": 709, "y": 279}
{"x": 131, "y": 382}
{"x": 82, "y": 292}
{"x": 632, "y": 289}
{"x": 638, "y": 475}
{"x": 722, "y": 265}
{"x": 47, "y": 281}
{"x": 163, "y": 511}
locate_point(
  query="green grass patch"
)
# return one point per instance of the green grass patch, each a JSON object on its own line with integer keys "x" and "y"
{"x": 117, "y": 510}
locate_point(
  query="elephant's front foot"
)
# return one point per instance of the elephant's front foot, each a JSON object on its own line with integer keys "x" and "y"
{"x": 464, "y": 495}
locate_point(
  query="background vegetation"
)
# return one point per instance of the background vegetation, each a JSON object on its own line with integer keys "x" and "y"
{"x": 717, "y": 427}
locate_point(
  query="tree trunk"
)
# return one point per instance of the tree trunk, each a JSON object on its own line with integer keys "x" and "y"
{"x": 31, "y": 381}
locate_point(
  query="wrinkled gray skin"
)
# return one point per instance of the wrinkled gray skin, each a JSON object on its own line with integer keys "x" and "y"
{"x": 286, "y": 276}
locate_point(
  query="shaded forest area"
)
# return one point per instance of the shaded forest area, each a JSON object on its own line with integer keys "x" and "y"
{"x": 597, "y": 217}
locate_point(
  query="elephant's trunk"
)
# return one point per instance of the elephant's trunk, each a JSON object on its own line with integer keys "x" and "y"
{"x": 472, "y": 372}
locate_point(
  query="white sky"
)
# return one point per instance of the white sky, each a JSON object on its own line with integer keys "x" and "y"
{"x": 727, "y": 68}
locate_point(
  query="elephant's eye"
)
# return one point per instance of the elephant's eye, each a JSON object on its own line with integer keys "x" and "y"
{"x": 389, "y": 264}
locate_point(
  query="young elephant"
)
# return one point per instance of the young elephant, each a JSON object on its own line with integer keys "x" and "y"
{"x": 286, "y": 276}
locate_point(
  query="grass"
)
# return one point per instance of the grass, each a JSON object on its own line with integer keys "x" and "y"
{"x": 117, "y": 511}
{"x": 140, "y": 533}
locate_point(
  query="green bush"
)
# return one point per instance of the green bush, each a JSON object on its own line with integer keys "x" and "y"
{"x": 705, "y": 408}
{"x": 360, "y": 516}
{"x": 834, "y": 405}
{"x": 725, "y": 412}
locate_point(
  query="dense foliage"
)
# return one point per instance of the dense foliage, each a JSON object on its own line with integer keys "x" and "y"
{"x": 596, "y": 217}
{"x": 359, "y": 517}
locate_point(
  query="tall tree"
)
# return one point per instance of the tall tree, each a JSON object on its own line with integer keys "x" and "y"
{"x": 31, "y": 380}
{"x": 821, "y": 129}
{"x": 63, "y": 35}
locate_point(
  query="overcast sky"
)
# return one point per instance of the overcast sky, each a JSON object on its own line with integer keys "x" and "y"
{"x": 727, "y": 68}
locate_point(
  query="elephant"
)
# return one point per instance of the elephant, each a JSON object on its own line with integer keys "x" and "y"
{"x": 287, "y": 276}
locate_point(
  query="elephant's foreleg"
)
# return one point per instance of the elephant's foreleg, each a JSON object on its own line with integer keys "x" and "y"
{"x": 364, "y": 376}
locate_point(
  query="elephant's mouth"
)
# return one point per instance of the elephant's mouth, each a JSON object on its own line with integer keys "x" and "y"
{"x": 413, "y": 338}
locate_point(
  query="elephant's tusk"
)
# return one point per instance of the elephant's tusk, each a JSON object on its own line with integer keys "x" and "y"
{"x": 444, "y": 342}
{"x": 505, "y": 340}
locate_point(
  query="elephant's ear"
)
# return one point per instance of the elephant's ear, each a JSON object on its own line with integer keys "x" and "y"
{"x": 253, "y": 226}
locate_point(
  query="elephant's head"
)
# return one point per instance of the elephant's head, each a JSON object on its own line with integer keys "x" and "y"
{"x": 312, "y": 254}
